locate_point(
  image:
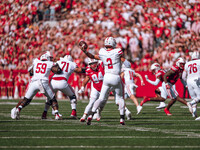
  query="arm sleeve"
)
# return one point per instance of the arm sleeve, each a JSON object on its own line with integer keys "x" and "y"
{"x": 153, "y": 82}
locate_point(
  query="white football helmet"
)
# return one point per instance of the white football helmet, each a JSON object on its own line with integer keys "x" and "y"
{"x": 195, "y": 55}
{"x": 69, "y": 58}
{"x": 93, "y": 63}
{"x": 44, "y": 57}
{"x": 180, "y": 63}
{"x": 155, "y": 67}
{"x": 49, "y": 55}
{"x": 110, "y": 41}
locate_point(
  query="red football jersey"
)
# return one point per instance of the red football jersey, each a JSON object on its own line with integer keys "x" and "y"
{"x": 178, "y": 74}
{"x": 160, "y": 74}
{"x": 96, "y": 76}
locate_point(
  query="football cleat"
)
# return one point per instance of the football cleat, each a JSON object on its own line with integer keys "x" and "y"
{"x": 57, "y": 117}
{"x": 190, "y": 107}
{"x": 198, "y": 118}
{"x": 167, "y": 112}
{"x": 128, "y": 116}
{"x": 97, "y": 115}
{"x": 44, "y": 115}
{"x": 15, "y": 113}
{"x": 139, "y": 108}
{"x": 89, "y": 120}
{"x": 73, "y": 114}
{"x": 144, "y": 101}
{"x": 161, "y": 106}
{"x": 82, "y": 119}
{"x": 122, "y": 121}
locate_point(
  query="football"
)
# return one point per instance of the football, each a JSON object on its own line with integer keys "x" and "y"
{"x": 83, "y": 44}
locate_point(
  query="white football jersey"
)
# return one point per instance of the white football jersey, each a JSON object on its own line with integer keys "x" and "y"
{"x": 41, "y": 69}
{"x": 111, "y": 60}
{"x": 67, "y": 67}
{"x": 193, "y": 69}
{"x": 128, "y": 75}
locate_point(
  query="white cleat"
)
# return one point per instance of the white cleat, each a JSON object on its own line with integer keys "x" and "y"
{"x": 122, "y": 122}
{"x": 139, "y": 108}
{"x": 15, "y": 113}
{"x": 57, "y": 117}
{"x": 161, "y": 106}
{"x": 97, "y": 115}
{"x": 198, "y": 118}
{"x": 128, "y": 116}
{"x": 190, "y": 107}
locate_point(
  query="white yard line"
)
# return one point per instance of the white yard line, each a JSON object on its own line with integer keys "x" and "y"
{"x": 98, "y": 147}
{"x": 96, "y": 137}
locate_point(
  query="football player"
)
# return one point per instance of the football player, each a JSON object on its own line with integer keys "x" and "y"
{"x": 191, "y": 76}
{"x": 129, "y": 74}
{"x": 59, "y": 83}
{"x": 111, "y": 58}
{"x": 170, "y": 78}
{"x": 160, "y": 94}
{"x": 40, "y": 70}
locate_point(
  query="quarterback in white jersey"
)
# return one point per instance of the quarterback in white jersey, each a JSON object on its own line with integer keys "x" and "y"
{"x": 41, "y": 69}
{"x": 59, "y": 82}
{"x": 129, "y": 74}
{"x": 111, "y": 58}
{"x": 191, "y": 75}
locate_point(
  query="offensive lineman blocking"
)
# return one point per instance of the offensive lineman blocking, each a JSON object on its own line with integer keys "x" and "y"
{"x": 40, "y": 70}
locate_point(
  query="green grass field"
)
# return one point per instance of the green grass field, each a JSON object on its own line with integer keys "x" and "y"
{"x": 151, "y": 129}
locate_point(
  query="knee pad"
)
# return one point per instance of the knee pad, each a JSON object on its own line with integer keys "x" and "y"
{"x": 73, "y": 99}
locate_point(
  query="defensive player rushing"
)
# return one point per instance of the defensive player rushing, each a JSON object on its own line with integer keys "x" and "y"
{"x": 95, "y": 73}
{"x": 111, "y": 58}
{"x": 170, "y": 78}
{"x": 40, "y": 70}
{"x": 160, "y": 93}
{"x": 59, "y": 82}
{"x": 129, "y": 74}
{"x": 191, "y": 75}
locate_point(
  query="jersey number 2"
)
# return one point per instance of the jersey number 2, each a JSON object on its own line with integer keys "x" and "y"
{"x": 41, "y": 68}
{"x": 110, "y": 65}
{"x": 193, "y": 68}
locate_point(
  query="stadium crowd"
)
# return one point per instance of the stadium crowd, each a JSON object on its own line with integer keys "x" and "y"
{"x": 147, "y": 30}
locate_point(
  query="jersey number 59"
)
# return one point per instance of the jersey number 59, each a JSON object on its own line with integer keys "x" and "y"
{"x": 41, "y": 68}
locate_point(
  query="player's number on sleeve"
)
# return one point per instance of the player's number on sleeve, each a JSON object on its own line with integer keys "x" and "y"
{"x": 110, "y": 65}
{"x": 65, "y": 64}
{"x": 41, "y": 68}
{"x": 192, "y": 68}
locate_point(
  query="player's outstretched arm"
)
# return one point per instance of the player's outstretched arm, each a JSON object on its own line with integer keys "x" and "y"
{"x": 140, "y": 77}
{"x": 83, "y": 46}
{"x": 152, "y": 82}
